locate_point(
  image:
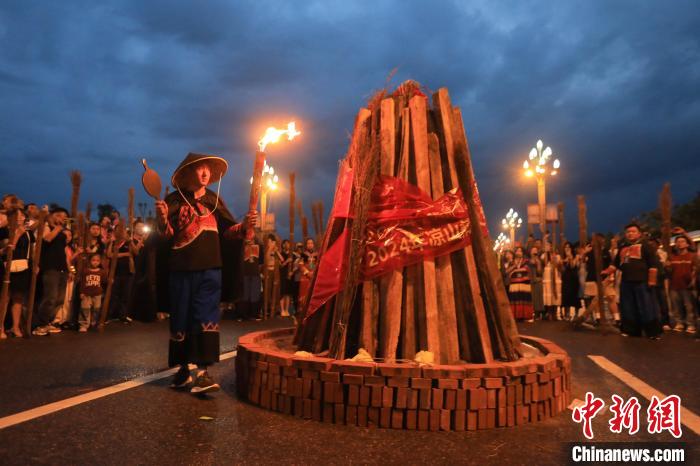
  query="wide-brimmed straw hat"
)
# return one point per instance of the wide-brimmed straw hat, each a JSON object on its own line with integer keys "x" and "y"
{"x": 217, "y": 165}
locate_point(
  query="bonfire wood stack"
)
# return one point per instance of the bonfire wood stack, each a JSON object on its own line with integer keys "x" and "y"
{"x": 455, "y": 305}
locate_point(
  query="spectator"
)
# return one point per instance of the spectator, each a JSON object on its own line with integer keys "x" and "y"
{"x": 286, "y": 277}
{"x": 54, "y": 270}
{"x": 638, "y": 263}
{"x": 252, "y": 265}
{"x": 683, "y": 268}
{"x": 91, "y": 286}
{"x": 271, "y": 275}
{"x": 536, "y": 270}
{"x": 570, "y": 300}
{"x": 297, "y": 261}
{"x": 551, "y": 284}
{"x": 519, "y": 288}
{"x": 20, "y": 274}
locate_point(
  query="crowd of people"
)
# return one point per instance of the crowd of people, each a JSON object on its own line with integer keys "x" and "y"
{"x": 74, "y": 269}
{"x": 639, "y": 286}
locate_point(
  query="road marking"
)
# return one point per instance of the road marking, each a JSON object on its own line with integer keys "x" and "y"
{"x": 688, "y": 418}
{"x": 56, "y": 406}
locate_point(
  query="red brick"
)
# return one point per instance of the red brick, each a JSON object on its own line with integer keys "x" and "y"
{"x": 543, "y": 377}
{"x": 461, "y": 401}
{"x": 377, "y": 396}
{"x": 352, "y": 367}
{"x": 373, "y": 417}
{"x": 482, "y": 419}
{"x": 477, "y": 398}
{"x": 501, "y": 397}
{"x": 529, "y": 394}
{"x": 339, "y": 413}
{"x": 353, "y": 379}
{"x": 450, "y": 399}
{"x": 412, "y": 401}
{"x": 265, "y": 398}
{"x": 490, "y": 418}
{"x": 421, "y": 383}
{"x": 438, "y": 401}
{"x": 443, "y": 371}
{"x": 279, "y": 358}
{"x": 339, "y": 394}
{"x": 423, "y": 419}
{"x": 351, "y": 415}
{"x": 471, "y": 383}
{"x": 262, "y": 365}
{"x": 425, "y": 396}
{"x": 452, "y": 384}
{"x": 510, "y": 416}
{"x": 387, "y": 397}
{"x": 557, "y": 386}
{"x": 365, "y": 396}
{"x": 316, "y": 389}
{"x": 284, "y": 388}
{"x": 362, "y": 416}
{"x": 330, "y": 376}
{"x": 397, "y": 419}
{"x": 316, "y": 410}
{"x": 434, "y": 420}
{"x": 395, "y": 369}
{"x": 411, "y": 419}
{"x": 353, "y": 395}
{"x": 273, "y": 401}
{"x": 530, "y": 378}
{"x": 299, "y": 407}
{"x": 385, "y": 417}
{"x": 314, "y": 363}
{"x": 472, "y": 418}
{"x": 397, "y": 381}
{"x": 402, "y": 397}
{"x": 501, "y": 417}
{"x": 459, "y": 420}
{"x": 493, "y": 382}
{"x": 290, "y": 371}
{"x": 309, "y": 374}
{"x": 533, "y": 412}
{"x": 496, "y": 370}
{"x": 510, "y": 395}
{"x": 328, "y": 412}
{"x": 516, "y": 368}
{"x": 519, "y": 394}
{"x": 307, "y": 409}
{"x": 491, "y": 399}
{"x": 329, "y": 391}
{"x": 445, "y": 420}
{"x": 374, "y": 380}
{"x": 475, "y": 371}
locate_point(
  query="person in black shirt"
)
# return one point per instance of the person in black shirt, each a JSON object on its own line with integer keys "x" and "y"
{"x": 54, "y": 271}
{"x": 193, "y": 218}
{"x": 638, "y": 262}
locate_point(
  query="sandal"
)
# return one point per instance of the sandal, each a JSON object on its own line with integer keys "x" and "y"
{"x": 17, "y": 333}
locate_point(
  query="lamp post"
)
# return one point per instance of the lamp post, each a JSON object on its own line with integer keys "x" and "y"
{"x": 269, "y": 182}
{"x": 501, "y": 243}
{"x": 539, "y": 166}
{"x": 512, "y": 222}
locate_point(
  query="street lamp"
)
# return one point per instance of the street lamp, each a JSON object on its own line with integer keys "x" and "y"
{"x": 269, "y": 182}
{"x": 511, "y": 223}
{"x": 539, "y": 166}
{"x": 501, "y": 243}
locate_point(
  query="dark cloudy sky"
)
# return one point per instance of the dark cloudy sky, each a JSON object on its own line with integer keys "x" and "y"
{"x": 612, "y": 86}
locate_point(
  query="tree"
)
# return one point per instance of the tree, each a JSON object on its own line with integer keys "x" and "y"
{"x": 685, "y": 215}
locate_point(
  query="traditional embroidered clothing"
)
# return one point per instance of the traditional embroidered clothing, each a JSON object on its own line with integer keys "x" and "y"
{"x": 519, "y": 290}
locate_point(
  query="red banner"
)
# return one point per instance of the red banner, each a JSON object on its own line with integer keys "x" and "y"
{"x": 405, "y": 226}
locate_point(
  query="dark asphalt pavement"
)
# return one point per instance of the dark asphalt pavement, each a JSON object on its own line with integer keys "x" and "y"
{"x": 152, "y": 424}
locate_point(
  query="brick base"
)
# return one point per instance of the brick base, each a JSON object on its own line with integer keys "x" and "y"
{"x": 404, "y": 396}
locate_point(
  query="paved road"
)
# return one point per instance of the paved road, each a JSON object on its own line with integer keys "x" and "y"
{"x": 151, "y": 424}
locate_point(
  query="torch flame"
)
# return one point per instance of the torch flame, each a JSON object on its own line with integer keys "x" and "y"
{"x": 273, "y": 135}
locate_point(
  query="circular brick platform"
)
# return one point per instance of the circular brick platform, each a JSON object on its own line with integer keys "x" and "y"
{"x": 403, "y": 396}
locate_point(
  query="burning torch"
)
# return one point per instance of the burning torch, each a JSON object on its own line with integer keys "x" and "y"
{"x": 271, "y": 136}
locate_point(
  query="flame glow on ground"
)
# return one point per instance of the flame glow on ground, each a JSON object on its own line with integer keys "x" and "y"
{"x": 273, "y": 135}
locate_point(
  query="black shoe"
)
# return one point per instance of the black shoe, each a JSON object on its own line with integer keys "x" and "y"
{"x": 204, "y": 384}
{"x": 181, "y": 379}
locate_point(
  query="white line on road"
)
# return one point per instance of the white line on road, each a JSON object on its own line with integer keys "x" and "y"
{"x": 688, "y": 418}
{"x": 39, "y": 411}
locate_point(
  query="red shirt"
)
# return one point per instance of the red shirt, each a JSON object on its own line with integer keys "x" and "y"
{"x": 682, "y": 270}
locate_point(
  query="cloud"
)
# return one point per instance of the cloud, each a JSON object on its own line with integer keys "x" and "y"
{"x": 611, "y": 86}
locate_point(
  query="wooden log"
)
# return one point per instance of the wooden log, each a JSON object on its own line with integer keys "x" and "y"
{"x": 582, "y": 221}
{"x": 36, "y": 256}
{"x": 292, "y": 200}
{"x": 665, "y": 207}
{"x": 305, "y": 227}
{"x": 390, "y": 285}
{"x": 119, "y": 235}
{"x": 491, "y": 278}
{"x": 419, "y": 137}
{"x": 130, "y": 209}
{"x": 444, "y": 116}
{"x": 562, "y": 226}
{"x": 447, "y": 309}
{"x": 75, "y": 179}
{"x": 413, "y": 331}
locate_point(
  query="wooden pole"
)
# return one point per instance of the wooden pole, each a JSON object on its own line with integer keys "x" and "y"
{"x": 292, "y": 200}
{"x": 665, "y": 206}
{"x": 562, "y": 234}
{"x": 119, "y": 235}
{"x": 75, "y": 180}
{"x": 36, "y": 257}
{"x": 582, "y": 221}
{"x": 130, "y": 210}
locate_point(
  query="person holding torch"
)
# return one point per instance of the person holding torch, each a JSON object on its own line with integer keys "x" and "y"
{"x": 194, "y": 219}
